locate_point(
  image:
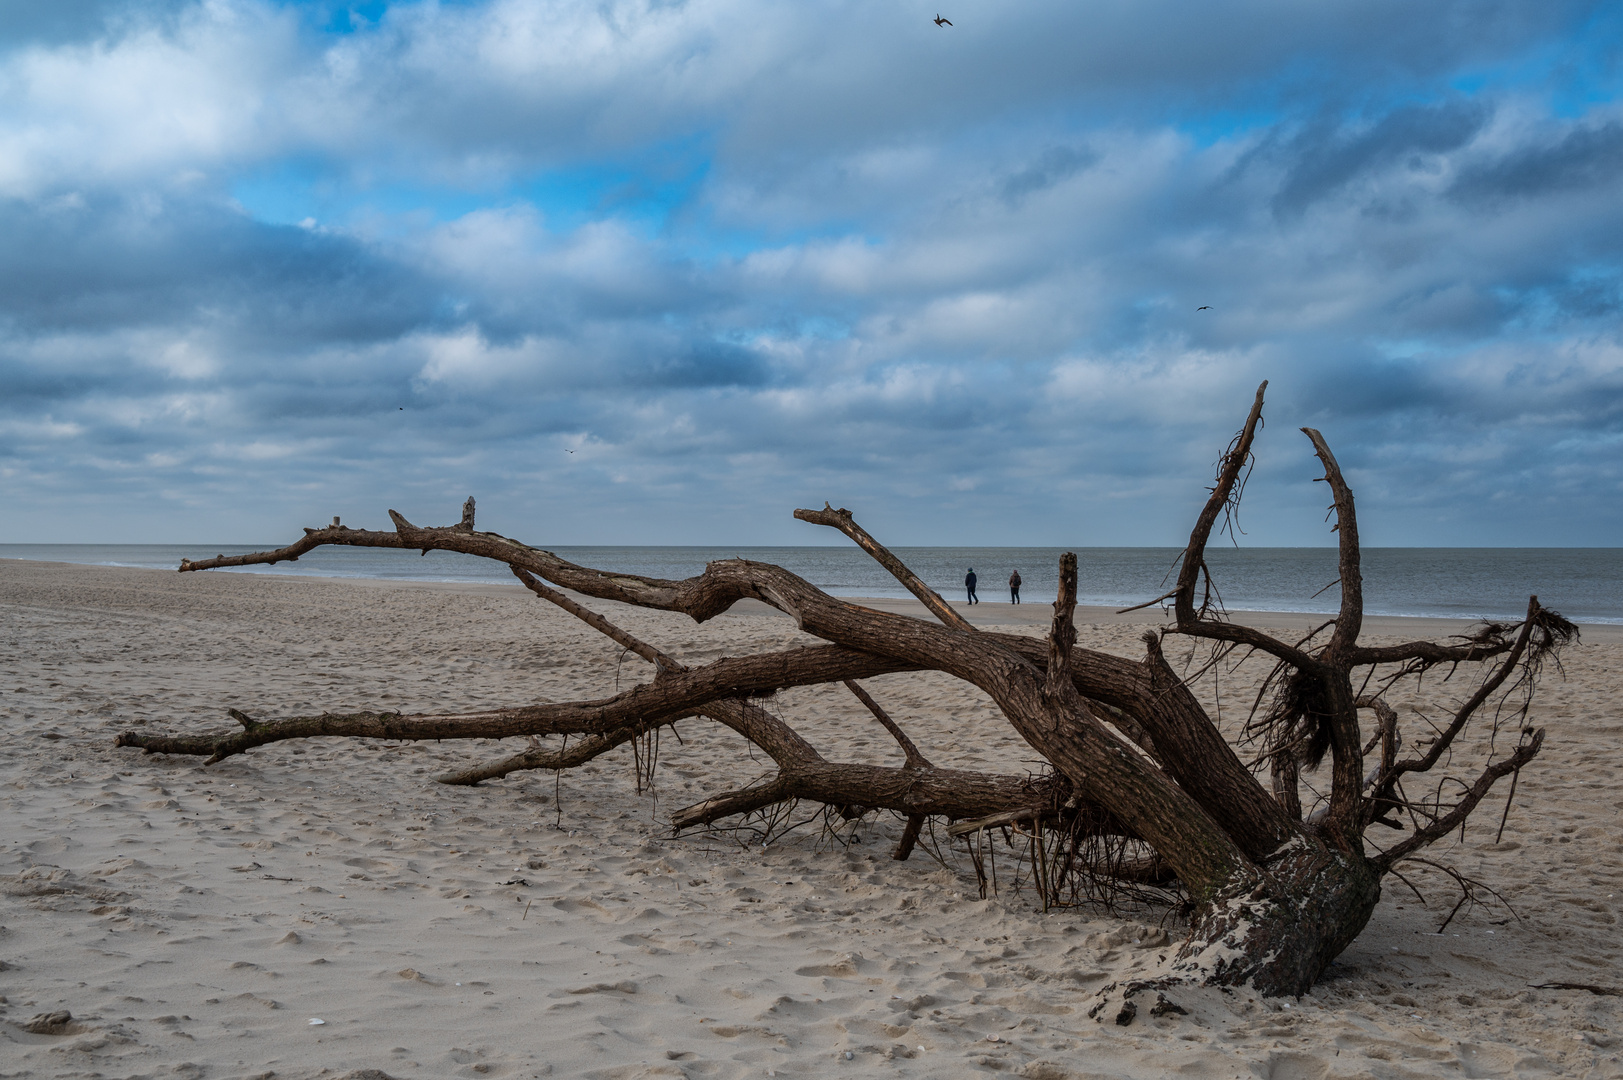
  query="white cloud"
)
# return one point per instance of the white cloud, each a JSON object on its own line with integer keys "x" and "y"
{"x": 466, "y": 358}
{"x": 149, "y": 104}
{"x": 733, "y": 252}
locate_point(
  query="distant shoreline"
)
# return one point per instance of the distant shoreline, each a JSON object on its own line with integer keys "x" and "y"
{"x": 1036, "y": 613}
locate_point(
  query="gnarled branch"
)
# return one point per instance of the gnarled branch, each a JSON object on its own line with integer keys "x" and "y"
{"x": 1468, "y": 802}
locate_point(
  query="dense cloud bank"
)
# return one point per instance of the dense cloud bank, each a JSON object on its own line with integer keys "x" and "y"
{"x": 658, "y": 273}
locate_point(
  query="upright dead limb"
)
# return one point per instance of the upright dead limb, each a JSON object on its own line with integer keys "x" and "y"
{"x": 1135, "y": 761}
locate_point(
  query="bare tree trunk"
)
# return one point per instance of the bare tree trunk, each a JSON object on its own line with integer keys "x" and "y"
{"x": 1276, "y": 894}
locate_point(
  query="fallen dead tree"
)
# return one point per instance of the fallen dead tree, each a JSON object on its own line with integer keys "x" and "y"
{"x": 1143, "y": 787}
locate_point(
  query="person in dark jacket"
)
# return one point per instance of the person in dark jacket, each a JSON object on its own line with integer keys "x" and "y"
{"x": 969, "y": 583}
{"x": 1014, "y": 587}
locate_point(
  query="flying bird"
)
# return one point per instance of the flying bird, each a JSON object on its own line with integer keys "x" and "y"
{"x": 1204, "y": 307}
{"x": 939, "y": 21}
{"x": 569, "y": 451}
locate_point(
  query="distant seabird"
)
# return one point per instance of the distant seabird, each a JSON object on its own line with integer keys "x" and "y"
{"x": 939, "y": 21}
{"x": 1204, "y": 307}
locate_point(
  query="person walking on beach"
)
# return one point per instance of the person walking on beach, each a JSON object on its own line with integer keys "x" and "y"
{"x": 969, "y": 583}
{"x": 1014, "y": 587}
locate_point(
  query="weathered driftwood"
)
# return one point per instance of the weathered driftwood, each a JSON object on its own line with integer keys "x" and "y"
{"x": 1136, "y": 762}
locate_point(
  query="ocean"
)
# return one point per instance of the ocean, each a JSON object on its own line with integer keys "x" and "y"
{"x": 1585, "y": 584}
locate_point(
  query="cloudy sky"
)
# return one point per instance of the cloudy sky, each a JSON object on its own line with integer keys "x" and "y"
{"x": 659, "y": 272}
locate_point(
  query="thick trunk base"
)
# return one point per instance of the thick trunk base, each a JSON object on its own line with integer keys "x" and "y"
{"x": 1276, "y": 936}
{"x": 1279, "y": 937}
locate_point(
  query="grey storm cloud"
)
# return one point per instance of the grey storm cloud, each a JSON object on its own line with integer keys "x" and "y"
{"x": 825, "y": 251}
{"x": 1581, "y": 157}
{"x": 98, "y": 261}
{"x": 1328, "y": 156}
{"x": 1053, "y": 165}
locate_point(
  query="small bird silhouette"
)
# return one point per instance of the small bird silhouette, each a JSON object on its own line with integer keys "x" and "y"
{"x": 569, "y": 451}
{"x": 939, "y": 21}
{"x": 1204, "y": 307}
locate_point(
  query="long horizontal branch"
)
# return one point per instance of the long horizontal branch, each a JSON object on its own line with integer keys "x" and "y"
{"x": 669, "y": 697}
{"x": 1120, "y": 683}
{"x": 1196, "y": 756}
{"x": 919, "y": 791}
{"x": 698, "y": 597}
{"x": 496, "y": 724}
{"x": 1213, "y": 630}
{"x": 915, "y": 790}
{"x": 1431, "y": 652}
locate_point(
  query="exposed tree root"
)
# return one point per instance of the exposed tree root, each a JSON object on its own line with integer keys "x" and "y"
{"x": 1141, "y": 796}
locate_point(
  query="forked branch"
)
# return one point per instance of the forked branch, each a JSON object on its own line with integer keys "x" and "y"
{"x": 1198, "y": 621}
{"x": 1452, "y": 820}
{"x": 679, "y": 694}
{"x": 1468, "y": 709}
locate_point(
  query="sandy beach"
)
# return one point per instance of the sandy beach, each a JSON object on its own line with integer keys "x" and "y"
{"x": 195, "y": 921}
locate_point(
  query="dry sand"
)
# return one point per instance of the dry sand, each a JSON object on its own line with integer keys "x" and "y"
{"x": 194, "y": 920}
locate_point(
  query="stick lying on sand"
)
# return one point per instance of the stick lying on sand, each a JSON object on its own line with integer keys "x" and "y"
{"x": 1603, "y": 991}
